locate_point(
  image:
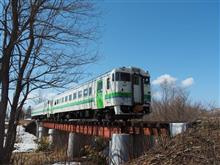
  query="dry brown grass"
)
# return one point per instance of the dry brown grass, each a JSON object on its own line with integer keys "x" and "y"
{"x": 199, "y": 145}
{"x": 39, "y": 158}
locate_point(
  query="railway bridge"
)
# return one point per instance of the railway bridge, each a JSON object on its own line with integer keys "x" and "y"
{"x": 127, "y": 139}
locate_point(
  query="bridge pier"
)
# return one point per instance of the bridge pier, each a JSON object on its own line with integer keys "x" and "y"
{"x": 124, "y": 147}
{"x": 120, "y": 149}
{"x": 42, "y": 132}
{"x": 140, "y": 144}
{"x": 76, "y": 142}
{"x": 57, "y": 138}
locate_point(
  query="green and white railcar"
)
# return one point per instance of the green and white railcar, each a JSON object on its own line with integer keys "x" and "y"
{"x": 121, "y": 92}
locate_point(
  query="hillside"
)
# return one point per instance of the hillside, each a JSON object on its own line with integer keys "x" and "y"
{"x": 200, "y": 145}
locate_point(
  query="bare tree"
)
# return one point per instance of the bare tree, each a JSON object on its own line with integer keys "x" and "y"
{"x": 43, "y": 45}
{"x": 174, "y": 105}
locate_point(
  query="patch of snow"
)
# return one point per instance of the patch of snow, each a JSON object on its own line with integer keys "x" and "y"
{"x": 67, "y": 163}
{"x": 28, "y": 119}
{"x": 177, "y": 128}
{"x": 26, "y": 141}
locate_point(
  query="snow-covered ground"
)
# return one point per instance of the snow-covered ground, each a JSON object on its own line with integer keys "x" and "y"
{"x": 26, "y": 142}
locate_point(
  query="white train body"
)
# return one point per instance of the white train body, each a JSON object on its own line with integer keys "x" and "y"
{"x": 121, "y": 92}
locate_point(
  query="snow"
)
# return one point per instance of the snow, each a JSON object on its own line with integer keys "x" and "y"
{"x": 28, "y": 119}
{"x": 67, "y": 163}
{"x": 177, "y": 128}
{"x": 26, "y": 142}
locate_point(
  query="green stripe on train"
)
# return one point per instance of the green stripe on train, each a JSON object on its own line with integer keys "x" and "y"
{"x": 117, "y": 94}
{"x": 90, "y": 100}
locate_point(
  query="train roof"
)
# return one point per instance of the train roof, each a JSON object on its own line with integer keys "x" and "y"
{"x": 123, "y": 69}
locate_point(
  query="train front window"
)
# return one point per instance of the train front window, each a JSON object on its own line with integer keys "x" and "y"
{"x": 120, "y": 76}
{"x": 136, "y": 80}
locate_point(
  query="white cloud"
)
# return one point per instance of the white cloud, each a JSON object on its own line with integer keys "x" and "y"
{"x": 157, "y": 95}
{"x": 164, "y": 78}
{"x": 187, "y": 82}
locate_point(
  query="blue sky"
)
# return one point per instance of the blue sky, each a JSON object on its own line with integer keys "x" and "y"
{"x": 179, "y": 38}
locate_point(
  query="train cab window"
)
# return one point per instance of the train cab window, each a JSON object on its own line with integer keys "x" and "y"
{"x": 74, "y": 96}
{"x": 147, "y": 80}
{"x": 108, "y": 83}
{"x": 120, "y": 76}
{"x": 136, "y": 80}
{"x": 66, "y": 98}
{"x": 79, "y": 94}
{"x": 85, "y": 92}
{"x": 125, "y": 77}
{"x": 70, "y": 97}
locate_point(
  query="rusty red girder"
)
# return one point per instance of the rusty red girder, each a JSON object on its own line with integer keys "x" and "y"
{"x": 106, "y": 131}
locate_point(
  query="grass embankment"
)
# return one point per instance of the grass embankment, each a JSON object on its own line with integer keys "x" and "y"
{"x": 199, "y": 145}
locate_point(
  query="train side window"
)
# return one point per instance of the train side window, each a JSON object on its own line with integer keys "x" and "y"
{"x": 90, "y": 91}
{"x": 62, "y": 99}
{"x": 117, "y": 76}
{"x": 66, "y": 98}
{"x": 113, "y": 77}
{"x": 108, "y": 83}
{"x": 85, "y": 92}
{"x": 79, "y": 94}
{"x": 70, "y": 97}
{"x": 136, "y": 80}
{"x": 74, "y": 96}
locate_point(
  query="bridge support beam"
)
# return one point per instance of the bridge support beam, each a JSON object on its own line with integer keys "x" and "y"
{"x": 76, "y": 143}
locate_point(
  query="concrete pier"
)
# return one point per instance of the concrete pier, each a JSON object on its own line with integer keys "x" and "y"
{"x": 57, "y": 138}
{"x": 140, "y": 144}
{"x": 123, "y": 147}
{"x": 120, "y": 149}
{"x": 76, "y": 142}
{"x": 42, "y": 132}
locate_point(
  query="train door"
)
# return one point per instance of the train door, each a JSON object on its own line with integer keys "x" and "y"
{"x": 137, "y": 88}
{"x": 99, "y": 94}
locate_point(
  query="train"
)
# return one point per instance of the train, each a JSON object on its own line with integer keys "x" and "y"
{"x": 121, "y": 93}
